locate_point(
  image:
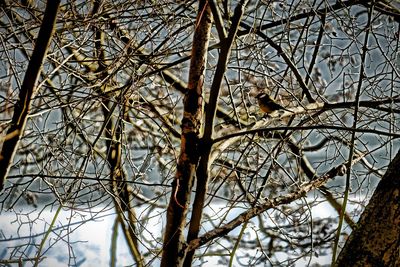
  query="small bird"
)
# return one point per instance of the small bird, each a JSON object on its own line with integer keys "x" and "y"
{"x": 267, "y": 104}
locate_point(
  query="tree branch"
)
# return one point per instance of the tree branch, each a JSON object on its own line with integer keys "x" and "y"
{"x": 21, "y": 109}
{"x": 269, "y": 203}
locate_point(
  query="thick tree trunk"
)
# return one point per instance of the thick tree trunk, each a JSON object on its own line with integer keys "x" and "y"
{"x": 189, "y": 156}
{"x": 376, "y": 240}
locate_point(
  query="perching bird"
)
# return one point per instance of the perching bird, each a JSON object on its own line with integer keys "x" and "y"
{"x": 267, "y": 104}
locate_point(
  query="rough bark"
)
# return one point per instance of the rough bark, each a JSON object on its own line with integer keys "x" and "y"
{"x": 22, "y": 106}
{"x": 376, "y": 240}
{"x": 202, "y": 171}
{"x": 188, "y": 159}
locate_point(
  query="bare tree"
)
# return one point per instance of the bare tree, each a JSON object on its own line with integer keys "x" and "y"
{"x": 146, "y": 111}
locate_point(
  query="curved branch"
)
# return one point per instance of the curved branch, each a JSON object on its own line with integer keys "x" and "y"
{"x": 258, "y": 209}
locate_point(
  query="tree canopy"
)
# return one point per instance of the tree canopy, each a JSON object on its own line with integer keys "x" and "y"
{"x": 148, "y": 110}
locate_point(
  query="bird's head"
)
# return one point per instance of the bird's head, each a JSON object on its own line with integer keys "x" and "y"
{"x": 263, "y": 96}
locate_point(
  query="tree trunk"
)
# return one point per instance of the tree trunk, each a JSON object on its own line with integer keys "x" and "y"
{"x": 203, "y": 168}
{"x": 189, "y": 156}
{"x": 376, "y": 240}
